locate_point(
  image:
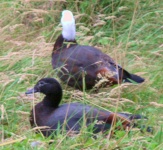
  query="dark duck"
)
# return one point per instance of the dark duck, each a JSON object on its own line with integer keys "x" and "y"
{"x": 77, "y": 61}
{"x": 71, "y": 116}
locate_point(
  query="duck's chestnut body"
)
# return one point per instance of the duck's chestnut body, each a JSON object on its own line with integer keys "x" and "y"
{"x": 78, "y": 61}
{"x": 70, "y": 116}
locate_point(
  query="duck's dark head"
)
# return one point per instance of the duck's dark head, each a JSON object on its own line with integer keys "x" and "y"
{"x": 51, "y": 88}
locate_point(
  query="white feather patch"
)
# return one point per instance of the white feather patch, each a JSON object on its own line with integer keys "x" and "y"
{"x": 68, "y": 24}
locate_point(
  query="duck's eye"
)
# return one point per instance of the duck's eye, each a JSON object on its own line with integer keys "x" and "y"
{"x": 41, "y": 83}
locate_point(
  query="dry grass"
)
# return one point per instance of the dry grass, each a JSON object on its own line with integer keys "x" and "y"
{"x": 133, "y": 38}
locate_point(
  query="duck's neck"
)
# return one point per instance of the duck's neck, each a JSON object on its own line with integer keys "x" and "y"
{"x": 60, "y": 42}
{"x": 53, "y": 100}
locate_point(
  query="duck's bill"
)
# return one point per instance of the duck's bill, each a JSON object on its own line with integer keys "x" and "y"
{"x": 31, "y": 91}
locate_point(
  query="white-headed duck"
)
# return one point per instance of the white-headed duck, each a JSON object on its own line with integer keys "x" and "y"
{"x": 74, "y": 60}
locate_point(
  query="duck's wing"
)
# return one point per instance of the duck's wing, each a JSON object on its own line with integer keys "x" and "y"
{"x": 77, "y": 59}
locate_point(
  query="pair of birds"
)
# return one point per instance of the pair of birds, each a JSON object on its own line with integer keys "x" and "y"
{"x": 73, "y": 60}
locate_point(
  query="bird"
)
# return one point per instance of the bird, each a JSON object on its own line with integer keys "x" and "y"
{"x": 51, "y": 117}
{"x": 82, "y": 66}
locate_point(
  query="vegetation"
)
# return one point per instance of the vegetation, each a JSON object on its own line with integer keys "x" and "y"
{"x": 129, "y": 31}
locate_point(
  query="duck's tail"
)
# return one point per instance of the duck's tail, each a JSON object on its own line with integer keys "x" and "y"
{"x": 132, "y": 116}
{"x": 138, "y": 125}
{"x": 134, "y": 78}
{"x": 127, "y": 77}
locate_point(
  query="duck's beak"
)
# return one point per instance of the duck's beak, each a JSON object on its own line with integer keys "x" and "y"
{"x": 30, "y": 91}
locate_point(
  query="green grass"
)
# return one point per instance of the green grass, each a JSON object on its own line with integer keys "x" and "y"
{"x": 129, "y": 31}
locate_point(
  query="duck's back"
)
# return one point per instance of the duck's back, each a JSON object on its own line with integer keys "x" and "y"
{"x": 78, "y": 59}
{"x": 69, "y": 117}
{"x": 82, "y": 56}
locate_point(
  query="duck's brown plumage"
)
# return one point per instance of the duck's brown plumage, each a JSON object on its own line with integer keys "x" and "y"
{"x": 75, "y": 60}
{"x": 71, "y": 116}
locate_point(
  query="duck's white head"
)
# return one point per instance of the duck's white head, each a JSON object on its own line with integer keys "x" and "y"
{"x": 68, "y": 24}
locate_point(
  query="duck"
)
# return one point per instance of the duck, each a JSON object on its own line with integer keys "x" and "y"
{"x": 82, "y": 66}
{"x": 51, "y": 117}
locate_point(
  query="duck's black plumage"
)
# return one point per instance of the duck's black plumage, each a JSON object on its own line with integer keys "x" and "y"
{"x": 74, "y": 59}
{"x": 70, "y": 115}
